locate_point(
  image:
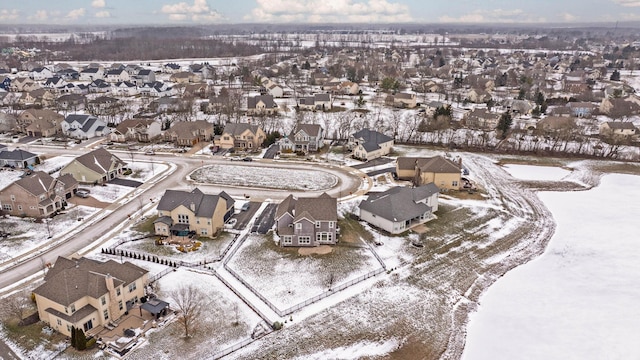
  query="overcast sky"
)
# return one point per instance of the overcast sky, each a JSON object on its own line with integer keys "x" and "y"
{"x": 166, "y": 12}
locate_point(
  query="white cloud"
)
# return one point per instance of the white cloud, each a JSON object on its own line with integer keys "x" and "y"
{"x": 98, "y": 3}
{"x": 569, "y": 17}
{"x": 493, "y": 16}
{"x": 199, "y": 11}
{"x": 75, "y": 14}
{"x": 103, "y": 14}
{"x": 9, "y": 14}
{"x": 40, "y": 15}
{"x": 630, "y": 3}
{"x": 321, "y": 11}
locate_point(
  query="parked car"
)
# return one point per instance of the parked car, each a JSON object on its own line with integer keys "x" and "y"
{"x": 247, "y": 159}
{"x": 83, "y": 193}
{"x": 149, "y": 152}
{"x": 245, "y": 206}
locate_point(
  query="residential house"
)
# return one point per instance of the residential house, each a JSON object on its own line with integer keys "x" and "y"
{"x": 40, "y": 122}
{"x": 308, "y": 221}
{"x": 189, "y": 133}
{"x": 618, "y": 129}
{"x": 95, "y": 167}
{"x": 40, "y": 73}
{"x": 184, "y": 77}
{"x": 39, "y": 97}
{"x": 79, "y": 126}
{"x": 168, "y": 105}
{"x": 99, "y": 86}
{"x": 117, "y": 75}
{"x": 400, "y": 208}
{"x": 91, "y": 74}
{"x": 37, "y": 195}
{"x": 618, "y": 108}
{"x": 481, "y": 119}
{"x": 22, "y": 84}
{"x": 582, "y": 109}
{"x": 401, "y": 100}
{"x": 369, "y": 144}
{"x": 72, "y": 102}
{"x": 146, "y": 76}
{"x": 263, "y": 104}
{"x": 171, "y": 68}
{"x": 274, "y": 90}
{"x": 342, "y": 87}
{"x": 199, "y": 90}
{"x": 140, "y": 130}
{"x": 124, "y": 88}
{"x": 182, "y": 212}
{"x": 241, "y": 136}
{"x": 18, "y": 158}
{"x": 87, "y": 294}
{"x": 315, "y": 102}
{"x": 54, "y": 82}
{"x": 304, "y": 138}
{"x": 445, "y": 173}
{"x": 478, "y": 96}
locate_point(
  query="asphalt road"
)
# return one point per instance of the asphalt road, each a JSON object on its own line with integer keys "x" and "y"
{"x": 271, "y": 152}
{"x": 381, "y": 171}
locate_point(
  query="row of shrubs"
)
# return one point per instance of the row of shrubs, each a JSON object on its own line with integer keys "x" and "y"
{"x": 137, "y": 256}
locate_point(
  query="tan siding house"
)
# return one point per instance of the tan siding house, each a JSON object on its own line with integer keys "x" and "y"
{"x": 37, "y": 195}
{"x": 86, "y": 293}
{"x": 445, "y": 174}
{"x": 98, "y": 166}
{"x": 241, "y": 136}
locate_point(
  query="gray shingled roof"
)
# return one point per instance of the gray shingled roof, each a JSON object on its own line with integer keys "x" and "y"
{"x": 37, "y": 183}
{"x": 371, "y": 139}
{"x": 16, "y": 154}
{"x": 236, "y": 129}
{"x": 436, "y": 164}
{"x": 204, "y": 205}
{"x": 621, "y": 125}
{"x": 309, "y": 129}
{"x": 321, "y": 208}
{"x": 99, "y": 160}
{"x": 70, "y": 280}
{"x": 252, "y": 101}
{"x": 400, "y": 203}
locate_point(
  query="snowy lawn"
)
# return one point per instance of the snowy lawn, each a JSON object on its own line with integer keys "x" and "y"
{"x": 264, "y": 177}
{"x": 53, "y": 165}
{"x": 210, "y": 249}
{"x": 143, "y": 171}
{"x": 579, "y": 299}
{"x": 27, "y": 235}
{"x": 108, "y": 193}
{"x": 292, "y": 278}
{"x": 217, "y": 330}
{"x": 529, "y": 172}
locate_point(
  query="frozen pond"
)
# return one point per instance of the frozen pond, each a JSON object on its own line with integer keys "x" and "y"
{"x": 579, "y": 299}
{"x": 532, "y": 172}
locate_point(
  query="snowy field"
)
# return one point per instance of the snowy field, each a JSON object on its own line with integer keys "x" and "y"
{"x": 579, "y": 299}
{"x": 529, "y": 172}
{"x": 7, "y": 177}
{"x": 265, "y": 177}
{"x": 293, "y": 278}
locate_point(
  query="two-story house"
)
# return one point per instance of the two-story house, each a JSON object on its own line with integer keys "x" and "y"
{"x": 82, "y": 126}
{"x": 181, "y": 212}
{"x": 141, "y": 130}
{"x": 85, "y": 293}
{"x": 445, "y": 173}
{"x": 259, "y": 105}
{"x": 315, "y": 102}
{"x": 40, "y": 122}
{"x": 618, "y": 129}
{"x": 304, "y": 138}
{"x": 241, "y": 136}
{"x": 307, "y": 221}
{"x": 37, "y": 195}
{"x": 369, "y": 144}
{"x": 402, "y": 100}
{"x": 189, "y": 133}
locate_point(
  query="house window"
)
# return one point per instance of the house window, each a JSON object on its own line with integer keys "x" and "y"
{"x": 32, "y": 207}
{"x": 331, "y": 224}
{"x": 454, "y": 183}
{"x": 20, "y": 207}
{"x": 209, "y": 222}
{"x": 226, "y": 137}
{"x": 59, "y": 322}
{"x": 68, "y": 328}
{"x": 66, "y": 311}
{"x": 183, "y": 219}
{"x": 298, "y": 226}
{"x": 118, "y": 291}
{"x": 203, "y": 231}
{"x": 120, "y": 304}
{"x": 73, "y": 308}
{"x": 317, "y": 224}
{"x": 103, "y": 300}
{"x": 304, "y": 240}
{"x": 287, "y": 240}
{"x": 132, "y": 287}
{"x": 13, "y": 198}
{"x": 6, "y": 207}
{"x": 42, "y": 197}
{"x": 106, "y": 314}
{"x": 198, "y": 221}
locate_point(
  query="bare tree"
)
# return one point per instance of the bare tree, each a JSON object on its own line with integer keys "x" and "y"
{"x": 191, "y": 302}
{"x": 16, "y": 306}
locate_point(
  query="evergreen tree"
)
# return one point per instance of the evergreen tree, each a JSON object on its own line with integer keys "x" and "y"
{"x": 504, "y": 124}
{"x": 81, "y": 340}
{"x": 73, "y": 337}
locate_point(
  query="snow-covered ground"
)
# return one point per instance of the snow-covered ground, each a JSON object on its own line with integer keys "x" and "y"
{"x": 265, "y": 177}
{"x": 7, "y": 177}
{"x": 579, "y": 299}
{"x": 529, "y": 172}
